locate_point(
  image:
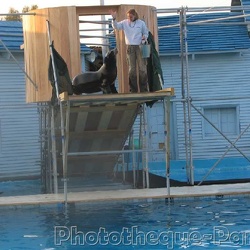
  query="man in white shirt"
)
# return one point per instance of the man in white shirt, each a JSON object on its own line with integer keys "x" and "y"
{"x": 136, "y": 33}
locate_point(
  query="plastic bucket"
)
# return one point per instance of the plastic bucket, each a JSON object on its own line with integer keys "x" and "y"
{"x": 145, "y": 50}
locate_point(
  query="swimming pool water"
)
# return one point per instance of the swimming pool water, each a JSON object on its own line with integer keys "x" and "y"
{"x": 218, "y": 223}
{"x": 22, "y": 187}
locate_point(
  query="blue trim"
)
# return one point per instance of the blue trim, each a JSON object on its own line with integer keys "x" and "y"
{"x": 225, "y": 36}
{"x": 209, "y": 37}
{"x": 11, "y": 33}
{"x": 227, "y": 169}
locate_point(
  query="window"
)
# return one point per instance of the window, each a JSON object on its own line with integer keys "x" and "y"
{"x": 224, "y": 118}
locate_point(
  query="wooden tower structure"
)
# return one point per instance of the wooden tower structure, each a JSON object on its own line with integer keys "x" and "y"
{"x": 64, "y": 24}
{"x": 94, "y": 123}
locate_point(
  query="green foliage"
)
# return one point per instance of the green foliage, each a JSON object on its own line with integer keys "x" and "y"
{"x": 14, "y": 14}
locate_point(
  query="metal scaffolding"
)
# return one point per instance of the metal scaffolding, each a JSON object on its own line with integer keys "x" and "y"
{"x": 48, "y": 115}
{"x": 186, "y": 99}
{"x": 103, "y": 100}
{"x": 62, "y": 111}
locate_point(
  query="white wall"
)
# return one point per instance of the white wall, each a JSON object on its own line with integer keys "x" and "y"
{"x": 19, "y": 124}
{"x": 225, "y": 76}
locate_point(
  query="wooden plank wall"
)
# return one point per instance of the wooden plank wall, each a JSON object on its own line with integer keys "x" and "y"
{"x": 64, "y": 22}
{"x": 34, "y": 44}
{"x": 64, "y": 27}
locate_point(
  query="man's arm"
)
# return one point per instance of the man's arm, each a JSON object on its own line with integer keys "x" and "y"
{"x": 115, "y": 24}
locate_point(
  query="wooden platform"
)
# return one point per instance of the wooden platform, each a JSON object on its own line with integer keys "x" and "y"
{"x": 129, "y": 194}
{"x": 121, "y": 98}
{"x": 65, "y": 23}
{"x": 100, "y": 123}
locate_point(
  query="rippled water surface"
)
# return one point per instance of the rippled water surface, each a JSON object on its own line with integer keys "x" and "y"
{"x": 221, "y": 223}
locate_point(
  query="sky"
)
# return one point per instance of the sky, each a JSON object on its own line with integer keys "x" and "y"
{"x": 159, "y": 4}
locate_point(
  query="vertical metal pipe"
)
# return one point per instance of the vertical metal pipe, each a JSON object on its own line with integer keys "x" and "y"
{"x": 133, "y": 160}
{"x": 123, "y": 169}
{"x": 53, "y": 143}
{"x": 183, "y": 91}
{"x": 42, "y": 146}
{"x": 47, "y": 127}
{"x": 65, "y": 169}
{"x": 186, "y": 96}
{"x": 141, "y": 140}
{"x": 191, "y": 167}
{"x": 104, "y": 40}
{"x": 145, "y": 147}
{"x": 61, "y": 115}
{"x": 166, "y": 106}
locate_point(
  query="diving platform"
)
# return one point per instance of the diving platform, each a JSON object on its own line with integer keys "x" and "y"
{"x": 96, "y": 131}
{"x": 84, "y": 135}
{"x": 96, "y": 127}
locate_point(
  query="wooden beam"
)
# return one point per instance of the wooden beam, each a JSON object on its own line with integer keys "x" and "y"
{"x": 120, "y": 98}
{"x": 95, "y": 10}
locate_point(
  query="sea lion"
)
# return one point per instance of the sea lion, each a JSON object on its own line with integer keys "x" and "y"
{"x": 101, "y": 80}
